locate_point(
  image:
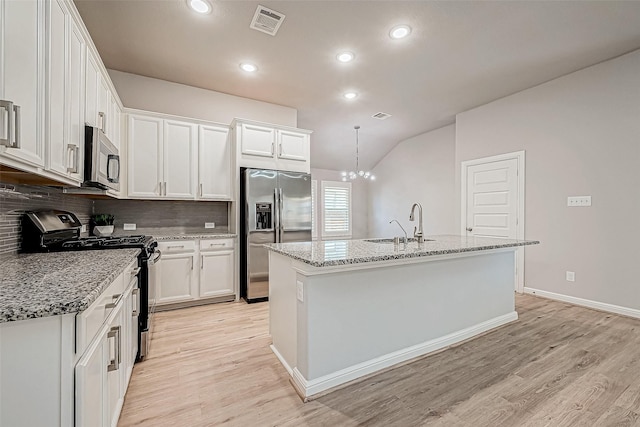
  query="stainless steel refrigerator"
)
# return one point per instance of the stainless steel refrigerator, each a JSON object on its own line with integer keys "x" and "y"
{"x": 275, "y": 208}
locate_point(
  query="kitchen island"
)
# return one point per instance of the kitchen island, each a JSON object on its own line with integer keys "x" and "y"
{"x": 343, "y": 309}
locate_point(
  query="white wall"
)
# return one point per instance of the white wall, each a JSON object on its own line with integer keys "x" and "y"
{"x": 359, "y": 194}
{"x": 581, "y": 134}
{"x": 420, "y": 169}
{"x": 161, "y": 96}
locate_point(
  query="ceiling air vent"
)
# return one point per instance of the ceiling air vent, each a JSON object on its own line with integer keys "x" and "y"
{"x": 267, "y": 20}
{"x": 381, "y": 116}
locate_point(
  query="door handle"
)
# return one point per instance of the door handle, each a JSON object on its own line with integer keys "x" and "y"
{"x": 8, "y": 105}
{"x": 469, "y": 229}
{"x": 76, "y": 151}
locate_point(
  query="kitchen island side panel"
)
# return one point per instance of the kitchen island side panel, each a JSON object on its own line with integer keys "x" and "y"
{"x": 355, "y": 316}
{"x": 282, "y": 308}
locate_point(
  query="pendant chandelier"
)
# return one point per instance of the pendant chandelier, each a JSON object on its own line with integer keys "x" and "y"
{"x": 352, "y": 175}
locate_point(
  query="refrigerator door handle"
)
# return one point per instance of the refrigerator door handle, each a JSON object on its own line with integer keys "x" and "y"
{"x": 281, "y": 226}
{"x": 276, "y": 214}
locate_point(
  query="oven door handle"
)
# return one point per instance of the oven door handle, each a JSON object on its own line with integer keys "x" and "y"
{"x": 156, "y": 258}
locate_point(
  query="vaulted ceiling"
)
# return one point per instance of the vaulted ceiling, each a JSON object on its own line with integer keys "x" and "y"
{"x": 460, "y": 54}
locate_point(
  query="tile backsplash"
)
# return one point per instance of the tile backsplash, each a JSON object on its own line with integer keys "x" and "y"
{"x": 164, "y": 213}
{"x": 17, "y": 199}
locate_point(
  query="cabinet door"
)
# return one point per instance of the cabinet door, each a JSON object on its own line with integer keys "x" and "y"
{"x": 91, "y": 90}
{"x": 75, "y": 72}
{"x": 22, "y": 81}
{"x": 114, "y": 121}
{"x": 90, "y": 378}
{"x": 257, "y": 140}
{"x": 179, "y": 159}
{"x": 115, "y": 367}
{"x": 214, "y": 169}
{"x": 145, "y": 157}
{"x": 57, "y": 160}
{"x": 293, "y": 146}
{"x": 216, "y": 273}
{"x": 178, "y": 278}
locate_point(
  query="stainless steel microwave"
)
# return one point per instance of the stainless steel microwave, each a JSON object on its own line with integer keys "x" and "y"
{"x": 101, "y": 160}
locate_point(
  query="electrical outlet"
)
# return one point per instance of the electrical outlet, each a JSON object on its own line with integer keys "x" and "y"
{"x": 129, "y": 227}
{"x": 578, "y": 201}
{"x": 83, "y": 228}
{"x": 571, "y": 276}
{"x": 209, "y": 225}
{"x": 300, "y": 291}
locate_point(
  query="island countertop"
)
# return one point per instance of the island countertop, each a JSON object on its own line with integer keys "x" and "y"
{"x": 342, "y": 252}
{"x": 50, "y": 284}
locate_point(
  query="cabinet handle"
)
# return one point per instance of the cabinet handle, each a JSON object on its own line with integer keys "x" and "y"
{"x": 176, "y": 247}
{"x": 200, "y": 189}
{"x": 16, "y": 130}
{"x": 114, "y": 302}
{"x": 103, "y": 122}
{"x": 119, "y": 344}
{"x": 192, "y": 263}
{"x": 135, "y": 294}
{"x": 76, "y": 150}
{"x": 165, "y": 188}
{"x": 113, "y": 362}
{"x": 216, "y": 244}
{"x": 201, "y": 262}
{"x": 135, "y": 271}
{"x": 279, "y": 150}
{"x": 272, "y": 148}
{"x": 8, "y": 105}
{"x": 160, "y": 188}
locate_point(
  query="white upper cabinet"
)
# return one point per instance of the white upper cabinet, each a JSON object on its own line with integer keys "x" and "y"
{"x": 214, "y": 163}
{"x": 266, "y": 146}
{"x": 92, "y": 80}
{"x": 65, "y": 115}
{"x": 145, "y": 144}
{"x": 162, "y": 157}
{"x": 179, "y": 159}
{"x": 22, "y": 83}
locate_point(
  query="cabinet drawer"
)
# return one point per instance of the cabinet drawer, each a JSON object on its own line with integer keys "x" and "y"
{"x": 216, "y": 244}
{"x": 177, "y": 246}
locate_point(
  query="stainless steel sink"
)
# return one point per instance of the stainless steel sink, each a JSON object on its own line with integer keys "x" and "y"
{"x": 411, "y": 239}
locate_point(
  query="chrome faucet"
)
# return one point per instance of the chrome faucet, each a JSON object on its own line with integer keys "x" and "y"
{"x": 406, "y": 239}
{"x": 417, "y": 231}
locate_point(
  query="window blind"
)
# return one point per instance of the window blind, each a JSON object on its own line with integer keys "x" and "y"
{"x": 336, "y": 199}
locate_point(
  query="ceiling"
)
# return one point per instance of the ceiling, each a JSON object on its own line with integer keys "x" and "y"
{"x": 460, "y": 54}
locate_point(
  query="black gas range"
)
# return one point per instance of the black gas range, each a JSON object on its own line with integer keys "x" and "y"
{"x": 57, "y": 231}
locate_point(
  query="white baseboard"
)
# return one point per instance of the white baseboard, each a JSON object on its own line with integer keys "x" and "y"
{"x": 281, "y": 359}
{"x": 334, "y": 379}
{"x": 609, "y": 308}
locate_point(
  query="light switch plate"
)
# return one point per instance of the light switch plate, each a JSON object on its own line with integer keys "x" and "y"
{"x": 578, "y": 201}
{"x": 571, "y": 276}
{"x": 209, "y": 225}
{"x": 83, "y": 228}
{"x": 129, "y": 227}
{"x": 300, "y": 291}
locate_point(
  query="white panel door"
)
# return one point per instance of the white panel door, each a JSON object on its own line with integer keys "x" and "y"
{"x": 178, "y": 279}
{"x": 293, "y": 146}
{"x": 91, "y": 90}
{"x": 179, "y": 159}
{"x": 145, "y": 157}
{"x": 57, "y": 158}
{"x": 492, "y": 199}
{"x": 216, "y": 273}
{"x": 214, "y": 168}
{"x": 90, "y": 379}
{"x": 257, "y": 140}
{"x": 22, "y": 80}
{"x": 76, "y": 101}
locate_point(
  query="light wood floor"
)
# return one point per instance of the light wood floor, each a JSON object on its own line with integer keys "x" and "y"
{"x": 558, "y": 365}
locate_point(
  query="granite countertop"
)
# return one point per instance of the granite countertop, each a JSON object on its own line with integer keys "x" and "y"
{"x": 180, "y": 233}
{"x": 56, "y": 283}
{"x": 340, "y": 252}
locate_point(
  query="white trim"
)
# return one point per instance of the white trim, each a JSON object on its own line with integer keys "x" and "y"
{"x": 281, "y": 359}
{"x": 520, "y": 157}
{"x": 602, "y": 306}
{"x": 312, "y": 387}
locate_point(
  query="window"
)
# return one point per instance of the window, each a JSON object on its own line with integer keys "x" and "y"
{"x": 336, "y": 209}
{"x": 314, "y": 209}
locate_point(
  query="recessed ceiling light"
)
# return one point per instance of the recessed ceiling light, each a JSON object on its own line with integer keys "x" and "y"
{"x": 400, "y": 31}
{"x": 346, "y": 56}
{"x": 249, "y": 68}
{"x": 350, "y": 95}
{"x": 200, "y": 6}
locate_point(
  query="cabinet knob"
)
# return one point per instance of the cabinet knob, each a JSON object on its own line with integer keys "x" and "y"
{"x": 469, "y": 229}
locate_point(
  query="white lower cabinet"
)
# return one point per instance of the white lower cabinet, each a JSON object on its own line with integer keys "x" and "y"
{"x": 192, "y": 270}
